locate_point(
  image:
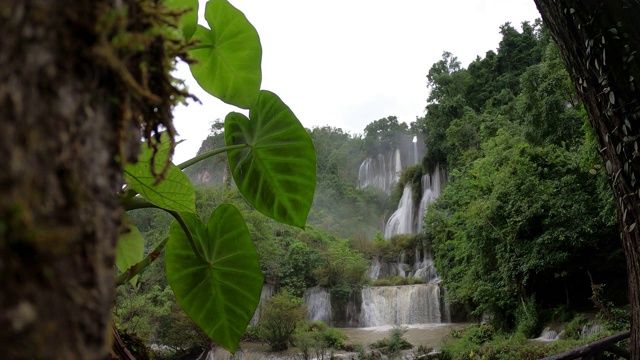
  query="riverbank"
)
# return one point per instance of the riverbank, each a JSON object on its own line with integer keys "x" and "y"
{"x": 426, "y": 335}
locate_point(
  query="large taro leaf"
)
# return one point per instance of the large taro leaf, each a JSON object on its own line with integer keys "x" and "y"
{"x": 219, "y": 290}
{"x": 227, "y": 57}
{"x": 130, "y": 249}
{"x": 277, "y": 172}
{"x": 175, "y": 192}
{"x": 189, "y": 19}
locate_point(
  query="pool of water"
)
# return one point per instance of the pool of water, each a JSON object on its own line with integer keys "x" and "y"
{"x": 431, "y": 335}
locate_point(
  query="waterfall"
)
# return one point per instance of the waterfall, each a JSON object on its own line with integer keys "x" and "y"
{"x": 401, "y": 221}
{"x": 396, "y": 305}
{"x": 373, "y": 172}
{"x": 266, "y": 293}
{"x": 426, "y": 271}
{"x": 383, "y": 170}
{"x": 374, "y": 269}
{"x": 318, "y": 302}
{"x": 431, "y": 188}
{"x": 397, "y": 166}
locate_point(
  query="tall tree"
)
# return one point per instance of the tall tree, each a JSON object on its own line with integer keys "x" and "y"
{"x": 599, "y": 41}
{"x": 72, "y": 101}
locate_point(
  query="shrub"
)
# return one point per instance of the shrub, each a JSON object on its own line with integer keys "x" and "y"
{"x": 332, "y": 336}
{"x": 316, "y": 338}
{"x": 251, "y": 334}
{"x": 279, "y": 318}
{"x": 341, "y": 292}
{"x": 399, "y": 280}
{"x": 393, "y": 344}
{"x": 479, "y": 334}
{"x": 527, "y": 318}
{"x": 382, "y": 282}
{"x": 574, "y": 327}
{"x": 614, "y": 319}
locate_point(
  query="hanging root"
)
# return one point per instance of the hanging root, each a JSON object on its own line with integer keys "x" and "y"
{"x": 138, "y": 46}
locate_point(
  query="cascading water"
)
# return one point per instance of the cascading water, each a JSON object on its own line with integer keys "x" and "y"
{"x": 401, "y": 221}
{"x": 318, "y": 302}
{"x": 411, "y": 304}
{"x": 374, "y": 269}
{"x": 396, "y": 305}
{"x": 431, "y": 189}
{"x": 397, "y": 162}
{"x": 383, "y": 170}
{"x": 266, "y": 293}
{"x": 373, "y": 172}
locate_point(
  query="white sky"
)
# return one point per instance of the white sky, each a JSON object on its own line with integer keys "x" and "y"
{"x": 347, "y": 63}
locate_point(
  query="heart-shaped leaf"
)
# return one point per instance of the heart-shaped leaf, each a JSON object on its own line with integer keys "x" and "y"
{"x": 130, "y": 249}
{"x": 228, "y": 56}
{"x": 277, "y": 172}
{"x": 175, "y": 192}
{"x": 219, "y": 290}
{"x": 189, "y": 19}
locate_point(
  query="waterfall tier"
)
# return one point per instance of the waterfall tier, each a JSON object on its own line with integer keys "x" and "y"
{"x": 397, "y": 305}
{"x": 383, "y": 170}
{"x": 318, "y": 302}
{"x": 401, "y": 221}
{"x": 422, "y": 268}
{"x": 432, "y": 185}
{"x": 266, "y": 293}
{"x": 409, "y": 219}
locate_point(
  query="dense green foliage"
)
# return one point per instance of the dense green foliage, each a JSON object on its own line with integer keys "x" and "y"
{"x": 526, "y": 214}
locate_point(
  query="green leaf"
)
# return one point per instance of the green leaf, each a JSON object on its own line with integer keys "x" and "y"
{"x": 221, "y": 292}
{"x": 228, "y": 56}
{"x": 175, "y": 192}
{"x": 277, "y": 172}
{"x": 130, "y": 249}
{"x": 189, "y": 20}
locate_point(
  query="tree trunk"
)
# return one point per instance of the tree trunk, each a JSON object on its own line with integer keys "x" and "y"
{"x": 599, "y": 41}
{"x": 59, "y": 177}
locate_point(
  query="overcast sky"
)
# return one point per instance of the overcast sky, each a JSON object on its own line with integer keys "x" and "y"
{"x": 346, "y": 63}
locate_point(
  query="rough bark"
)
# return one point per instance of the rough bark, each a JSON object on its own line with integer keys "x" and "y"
{"x": 599, "y": 41}
{"x": 59, "y": 176}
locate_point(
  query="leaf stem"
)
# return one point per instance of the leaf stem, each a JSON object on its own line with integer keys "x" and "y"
{"x": 138, "y": 268}
{"x": 187, "y": 232}
{"x": 137, "y": 202}
{"x": 210, "y": 154}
